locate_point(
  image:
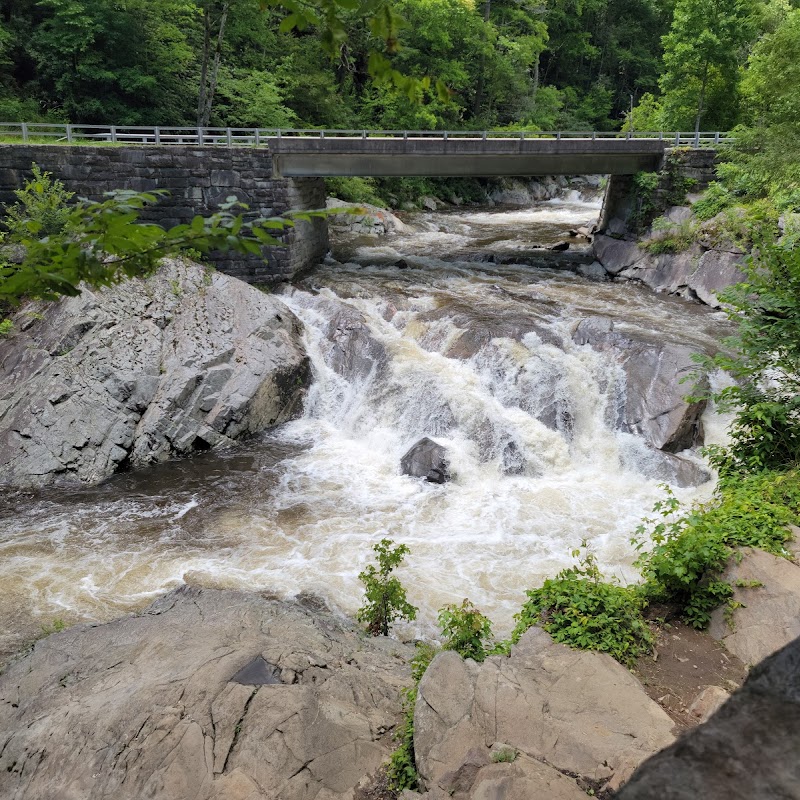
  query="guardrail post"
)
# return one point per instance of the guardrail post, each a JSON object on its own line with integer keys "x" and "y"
{"x": 677, "y": 138}
{"x": 628, "y": 135}
{"x": 716, "y": 137}
{"x": 594, "y": 135}
{"x": 258, "y": 138}
{"x": 69, "y": 134}
{"x": 228, "y": 136}
{"x": 157, "y": 131}
{"x": 697, "y": 138}
{"x": 405, "y": 136}
{"x": 113, "y": 133}
{"x": 363, "y": 134}
{"x": 445, "y": 136}
{"x": 558, "y": 136}
{"x": 24, "y": 131}
{"x": 322, "y": 134}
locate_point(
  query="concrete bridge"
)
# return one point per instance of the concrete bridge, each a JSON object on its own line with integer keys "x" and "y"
{"x": 278, "y": 171}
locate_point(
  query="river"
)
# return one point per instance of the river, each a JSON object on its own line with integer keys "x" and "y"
{"x": 527, "y": 416}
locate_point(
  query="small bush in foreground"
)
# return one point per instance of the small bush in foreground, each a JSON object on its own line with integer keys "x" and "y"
{"x": 580, "y": 609}
{"x": 385, "y": 596}
{"x": 690, "y": 548}
{"x": 42, "y": 204}
{"x": 465, "y": 630}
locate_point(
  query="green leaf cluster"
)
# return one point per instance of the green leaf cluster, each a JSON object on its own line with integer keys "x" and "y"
{"x": 384, "y": 596}
{"x": 42, "y": 207}
{"x": 465, "y": 630}
{"x": 581, "y": 609}
{"x": 682, "y": 551}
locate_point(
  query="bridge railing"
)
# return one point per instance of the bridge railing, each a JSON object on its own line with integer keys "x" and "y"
{"x": 62, "y": 133}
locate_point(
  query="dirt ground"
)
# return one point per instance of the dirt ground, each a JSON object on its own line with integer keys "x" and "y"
{"x": 684, "y": 662}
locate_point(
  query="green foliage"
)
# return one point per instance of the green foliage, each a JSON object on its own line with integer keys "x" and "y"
{"x": 101, "y": 244}
{"x": 402, "y": 770}
{"x": 504, "y": 755}
{"x": 670, "y": 237}
{"x": 56, "y": 626}
{"x": 682, "y": 551}
{"x": 580, "y": 609}
{"x": 715, "y": 199}
{"x": 6, "y": 328}
{"x": 42, "y": 202}
{"x": 764, "y": 358}
{"x": 354, "y": 190}
{"x": 465, "y": 630}
{"x": 385, "y": 596}
{"x": 702, "y": 56}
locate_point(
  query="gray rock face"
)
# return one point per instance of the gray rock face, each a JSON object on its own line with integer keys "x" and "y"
{"x": 156, "y": 705}
{"x": 769, "y": 617}
{"x": 362, "y": 219}
{"x": 654, "y": 406}
{"x": 426, "y": 459}
{"x": 700, "y": 272}
{"x": 747, "y": 750}
{"x": 142, "y": 372}
{"x": 575, "y": 711}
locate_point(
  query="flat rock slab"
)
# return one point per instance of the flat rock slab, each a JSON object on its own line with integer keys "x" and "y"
{"x": 769, "y": 617}
{"x": 577, "y": 712}
{"x": 748, "y": 750}
{"x": 144, "y": 371}
{"x": 164, "y": 705}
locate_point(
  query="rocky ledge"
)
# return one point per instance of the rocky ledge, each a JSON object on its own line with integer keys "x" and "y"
{"x": 226, "y": 695}
{"x": 147, "y": 370}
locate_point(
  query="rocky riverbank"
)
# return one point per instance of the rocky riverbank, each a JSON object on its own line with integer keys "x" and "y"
{"x": 184, "y": 361}
{"x": 224, "y": 695}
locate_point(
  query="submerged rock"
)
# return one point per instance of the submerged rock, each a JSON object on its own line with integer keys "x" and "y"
{"x": 208, "y": 695}
{"x": 653, "y": 405}
{"x": 747, "y": 750}
{"x": 427, "y": 459}
{"x": 561, "y": 710}
{"x": 144, "y": 371}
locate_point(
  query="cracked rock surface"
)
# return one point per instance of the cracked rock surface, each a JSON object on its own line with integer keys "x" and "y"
{"x": 144, "y": 371}
{"x": 564, "y": 712}
{"x": 208, "y": 695}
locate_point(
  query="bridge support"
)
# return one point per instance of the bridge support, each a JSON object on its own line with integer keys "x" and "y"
{"x": 198, "y": 180}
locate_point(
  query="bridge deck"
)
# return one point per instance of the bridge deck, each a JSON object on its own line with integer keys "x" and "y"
{"x": 419, "y": 156}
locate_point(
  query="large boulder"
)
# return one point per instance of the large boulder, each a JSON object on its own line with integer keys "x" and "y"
{"x": 747, "y": 750}
{"x": 653, "y": 405}
{"x": 208, "y": 695}
{"x": 144, "y": 371}
{"x": 426, "y": 459}
{"x": 580, "y": 713}
{"x": 766, "y": 593}
{"x": 362, "y": 218}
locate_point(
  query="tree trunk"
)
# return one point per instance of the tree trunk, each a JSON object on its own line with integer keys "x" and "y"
{"x": 476, "y": 107}
{"x": 701, "y": 101}
{"x": 208, "y": 85}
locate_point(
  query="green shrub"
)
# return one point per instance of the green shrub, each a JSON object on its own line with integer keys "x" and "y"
{"x": 354, "y": 190}
{"x": 385, "y": 596}
{"x": 402, "y": 770}
{"x": 580, "y": 609}
{"x": 465, "y": 630}
{"x": 42, "y": 207}
{"x": 671, "y": 237}
{"x": 691, "y": 547}
{"x": 6, "y": 327}
{"x": 715, "y": 199}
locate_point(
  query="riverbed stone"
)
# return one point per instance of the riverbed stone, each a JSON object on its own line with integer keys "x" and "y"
{"x": 144, "y": 371}
{"x": 748, "y": 749}
{"x": 578, "y": 712}
{"x": 427, "y": 459}
{"x": 147, "y": 706}
{"x": 653, "y": 405}
{"x": 769, "y": 615}
{"x": 362, "y": 219}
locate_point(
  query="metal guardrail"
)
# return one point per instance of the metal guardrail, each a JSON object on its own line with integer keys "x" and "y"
{"x": 257, "y": 137}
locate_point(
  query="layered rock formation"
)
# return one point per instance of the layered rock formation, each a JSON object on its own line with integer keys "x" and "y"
{"x": 144, "y": 371}
{"x": 563, "y": 714}
{"x": 209, "y": 695}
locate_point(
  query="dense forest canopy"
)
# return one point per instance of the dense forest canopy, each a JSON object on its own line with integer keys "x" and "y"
{"x": 567, "y": 64}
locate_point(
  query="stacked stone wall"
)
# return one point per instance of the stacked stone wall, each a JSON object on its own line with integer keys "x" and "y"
{"x": 198, "y": 180}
